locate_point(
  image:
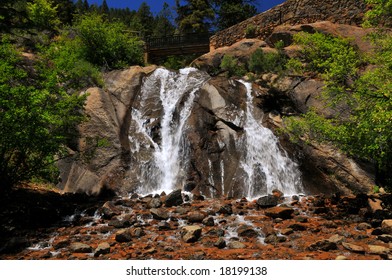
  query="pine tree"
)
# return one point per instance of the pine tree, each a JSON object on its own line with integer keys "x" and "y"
{"x": 104, "y": 8}
{"x": 195, "y": 16}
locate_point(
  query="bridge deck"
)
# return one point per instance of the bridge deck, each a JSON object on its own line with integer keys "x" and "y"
{"x": 159, "y": 47}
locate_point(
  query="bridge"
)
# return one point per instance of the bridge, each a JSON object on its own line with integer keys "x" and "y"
{"x": 157, "y": 48}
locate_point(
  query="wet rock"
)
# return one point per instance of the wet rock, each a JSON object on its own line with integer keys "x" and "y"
{"x": 323, "y": 245}
{"x": 298, "y": 227}
{"x": 377, "y": 231}
{"x": 123, "y": 235}
{"x": 196, "y": 216}
{"x": 320, "y": 210}
{"x": 216, "y": 232}
{"x": 159, "y": 214}
{"x": 182, "y": 210}
{"x": 267, "y": 201}
{"x": 109, "y": 210}
{"x": 154, "y": 203}
{"x": 353, "y": 248}
{"x": 225, "y": 209}
{"x": 364, "y": 226}
{"x": 79, "y": 247}
{"x": 341, "y": 258}
{"x": 385, "y": 238}
{"x": 191, "y": 234}
{"x": 236, "y": 245}
{"x": 275, "y": 239}
{"x": 220, "y": 243}
{"x": 120, "y": 222}
{"x": 246, "y": 231}
{"x": 208, "y": 221}
{"x": 386, "y": 226}
{"x": 102, "y": 249}
{"x": 279, "y": 212}
{"x": 278, "y": 194}
{"x": 174, "y": 199}
{"x": 378, "y": 250}
{"x": 163, "y": 225}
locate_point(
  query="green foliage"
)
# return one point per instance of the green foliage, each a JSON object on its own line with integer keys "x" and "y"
{"x": 107, "y": 44}
{"x": 69, "y": 64}
{"x": 232, "y": 66}
{"x": 271, "y": 62}
{"x": 229, "y": 13}
{"x": 365, "y": 132}
{"x": 37, "y": 117}
{"x": 334, "y": 58}
{"x": 379, "y": 14}
{"x": 194, "y": 16}
{"x": 250, "y": 31}
{"x": 43, "y": 14}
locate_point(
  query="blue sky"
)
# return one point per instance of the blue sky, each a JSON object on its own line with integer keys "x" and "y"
{"x": 156, "y": 6}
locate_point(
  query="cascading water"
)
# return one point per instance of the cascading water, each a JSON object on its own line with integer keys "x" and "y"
{"x": 163, "y": 171}
{"x": 266, "y": 166}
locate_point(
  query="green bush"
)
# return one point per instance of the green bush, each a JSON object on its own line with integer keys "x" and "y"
{"x": 250, "y": 31}
{"x": 232, "y": 66}
{"x": 271, "y": 62}
{"x": 107, "y": 44}
{"x": 37, "y": 117}
{"x": 67, "y": 60}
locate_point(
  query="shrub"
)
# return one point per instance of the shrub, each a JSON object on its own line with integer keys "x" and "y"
{"x": 107, "y": 44}
{"x": 232, "y": 66}
{"x": 260, "y": 62}
{"x": 250, "y": 31}
{"x": 37, "y": 118}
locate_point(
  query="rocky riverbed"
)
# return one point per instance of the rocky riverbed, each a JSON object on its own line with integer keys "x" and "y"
{"x": 182, "y": 226}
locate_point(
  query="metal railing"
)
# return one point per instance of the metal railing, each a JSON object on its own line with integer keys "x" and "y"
{"x": 177, "y": 40}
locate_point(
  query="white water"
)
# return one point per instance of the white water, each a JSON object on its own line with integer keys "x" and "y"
{"x": 267, "y": 167}
{"x": 176, "y": 94}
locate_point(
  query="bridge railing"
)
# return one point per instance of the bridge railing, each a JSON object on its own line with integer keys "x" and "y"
{"x": 177, "y": 40}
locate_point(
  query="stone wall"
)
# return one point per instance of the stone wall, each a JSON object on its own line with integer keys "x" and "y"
{"x": 293, "y": 12}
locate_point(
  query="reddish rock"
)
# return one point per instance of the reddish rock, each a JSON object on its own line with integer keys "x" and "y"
{"x": 279, "y": 212}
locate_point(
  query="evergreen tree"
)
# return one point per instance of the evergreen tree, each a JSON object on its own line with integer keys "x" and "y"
{"x": 163, "y": 22}
{"x": 232, "y": 12}
{"x": 104, "y": 8}
{"x": 195, "y": 16}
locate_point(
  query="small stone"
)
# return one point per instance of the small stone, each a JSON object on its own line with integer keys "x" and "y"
{"x": 209, "y": 221}
{"x": 220, "y": 244}
{"x": 174, "y": 199}
{"x": 275, "y": 239}
{"x": 277, "y": 193}
{"x": 267, "y": 201}
{"x": 137, "y": 232}
{"x": 191, "y": 234}
{"x": 163, "y": 225}
{"x": 378, "y": 250}
{"x": 336, "y": 239}
{"x": 377, "y": 231}
{"x": 353, "y": 248}
{"x": 119, "y": 223}
{"x": 364, "y": 226}
{"x": 109, "y": 210}
{"x": 323, "y": 245}
{"x": 287, "y": 231}
{"x": 301, "y": 219}
{"x": 225, "y": 209}
{"x": 298, "y": 227}
{"x": 236, "y": 245}
{"x": 320, "y": 210}
{"x": 123, "y": 235}
{"x": 341, "y": 258}
{"x": 246, "y": 231}
{"x": 386, "y": 226}
{"x": 154, "y": 203}
{"x": 374, "y": 204}
{"x": 61, "y": 244}
{"x": 102, "y": 249}
{"x": 385, "y": 238}
{"x": 279, "y": 212}
{"x": 78, "y": 247}
{"x": 159, "y": 214}
{"x": 196, "y": 216}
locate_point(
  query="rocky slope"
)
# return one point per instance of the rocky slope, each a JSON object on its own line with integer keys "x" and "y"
{"x": 179, "y": 226}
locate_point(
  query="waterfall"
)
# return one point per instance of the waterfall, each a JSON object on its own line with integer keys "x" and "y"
{"x": 267, "y": 167}
{"x": 163, "y": 171}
